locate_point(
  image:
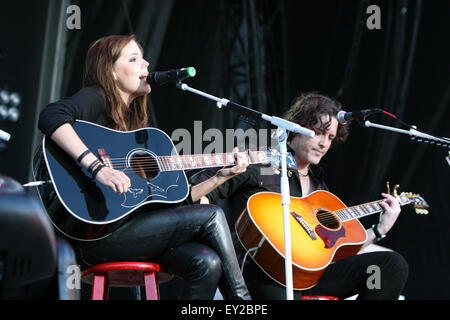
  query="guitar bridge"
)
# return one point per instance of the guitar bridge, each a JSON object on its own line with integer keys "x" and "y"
{"x": 305, "y": 225}
{"x": 105, "y": 158}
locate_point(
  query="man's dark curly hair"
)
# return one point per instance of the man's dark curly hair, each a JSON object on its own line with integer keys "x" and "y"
{"x": 307, "y": 110}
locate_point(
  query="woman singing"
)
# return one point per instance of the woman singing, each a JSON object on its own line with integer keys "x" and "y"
{"x": 191, "y": 241}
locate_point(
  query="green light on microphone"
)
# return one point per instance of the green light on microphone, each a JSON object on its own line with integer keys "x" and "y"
{"x": 191, "y": 71}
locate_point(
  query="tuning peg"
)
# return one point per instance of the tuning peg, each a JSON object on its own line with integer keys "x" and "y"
{"x": 421, "y": 211}
{"x": 395, "y": 192}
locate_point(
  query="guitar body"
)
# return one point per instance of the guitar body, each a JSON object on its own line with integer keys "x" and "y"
{"x": 84, "y": 209}
{"x": 317, "y": 237}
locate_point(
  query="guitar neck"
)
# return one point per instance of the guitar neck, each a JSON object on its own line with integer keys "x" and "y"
{"x": 199, "y": 161}
{"x": 365, "y": 209}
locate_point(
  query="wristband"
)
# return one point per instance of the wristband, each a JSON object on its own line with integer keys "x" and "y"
{"x": 378, "y": 235}
{"x": 84, "y": 154}
{"x": 92, "y": 165}
{"x": 99, "y": 167}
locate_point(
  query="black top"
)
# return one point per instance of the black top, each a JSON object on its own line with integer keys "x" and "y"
{"x": 87, "y": 104}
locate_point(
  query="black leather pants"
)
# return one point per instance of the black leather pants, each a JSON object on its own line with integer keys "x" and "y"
{"x": 191, "y": 242}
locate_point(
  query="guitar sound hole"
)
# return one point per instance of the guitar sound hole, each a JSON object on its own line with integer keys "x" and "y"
{"x": 327, "y": 219}
{"x": 144, "y": 165}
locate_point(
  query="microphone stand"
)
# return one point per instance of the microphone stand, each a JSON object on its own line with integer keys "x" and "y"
{"x": 282, "y": 133}
{"x": 415, "y": 135}
{"x": 5, "y": 136}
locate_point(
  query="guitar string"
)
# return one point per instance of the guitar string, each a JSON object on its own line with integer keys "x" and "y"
{"x": 186, "y": 161}
{"x": 365, "y": 212}
{"x": 202, "y": 155}
{"x": 153, "y": 167}
{"x": 193, "y": 157}
{"x": 175, "y": 166}
{"x": 149, "y": 164}
{"x": 157, "y": 168}
{"x": 329, "y": 217}
{"x": 152, "y": 164}
{"x": 165, "y": 158}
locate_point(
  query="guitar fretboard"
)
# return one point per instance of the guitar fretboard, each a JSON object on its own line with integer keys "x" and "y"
{"x": 198, "y": 161}
{"x": 365, "y": 209}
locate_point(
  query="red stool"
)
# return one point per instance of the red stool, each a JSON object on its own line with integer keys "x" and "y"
{"x": 124, "y": 274}
{"x": 319, "y": 298}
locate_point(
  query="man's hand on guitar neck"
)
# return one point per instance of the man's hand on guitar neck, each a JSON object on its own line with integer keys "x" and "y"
{"x": 391, "y": 212}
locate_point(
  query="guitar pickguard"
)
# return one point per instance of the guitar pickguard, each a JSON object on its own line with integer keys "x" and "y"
{"x": 136, "y": 195}
{"x": 329, "y": 237}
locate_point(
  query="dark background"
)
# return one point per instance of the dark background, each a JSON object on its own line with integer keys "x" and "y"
{"x": 291, "y": 47}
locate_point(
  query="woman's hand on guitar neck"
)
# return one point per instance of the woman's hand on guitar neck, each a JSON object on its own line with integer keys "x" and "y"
{"x": 391, "y": 212}
{"x": 116, "y": 179}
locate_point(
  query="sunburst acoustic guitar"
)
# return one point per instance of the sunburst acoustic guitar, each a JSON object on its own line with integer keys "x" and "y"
{"x": 323, "y": 230}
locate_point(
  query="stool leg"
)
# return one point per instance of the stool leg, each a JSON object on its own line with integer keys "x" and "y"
{"x": 137, "y": 292}
{"x": 100, "y": 288}
{"x": 151, "y": 286}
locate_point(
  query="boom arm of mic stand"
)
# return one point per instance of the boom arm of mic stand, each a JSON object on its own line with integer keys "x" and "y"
{"x": 416, "y": 135}
{"x": 413, "y": 133}
{"x": 221, "y": 102}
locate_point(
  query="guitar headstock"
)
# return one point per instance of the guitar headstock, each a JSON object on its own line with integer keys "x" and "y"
{"x": 274, "y": 159}
{"x": 417, "y": 201}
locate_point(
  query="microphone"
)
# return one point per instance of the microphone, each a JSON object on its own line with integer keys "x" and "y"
{"x": 175, "y": 75}
{"x": 344, "y": 116}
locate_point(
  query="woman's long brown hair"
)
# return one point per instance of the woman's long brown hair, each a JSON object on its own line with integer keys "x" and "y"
{"x": 100, "y": 58}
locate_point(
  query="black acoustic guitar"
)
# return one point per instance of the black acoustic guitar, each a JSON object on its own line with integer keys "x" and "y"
{"x": 84, "y": 209}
